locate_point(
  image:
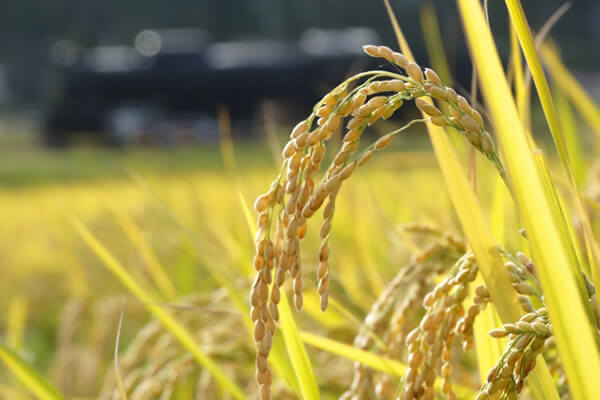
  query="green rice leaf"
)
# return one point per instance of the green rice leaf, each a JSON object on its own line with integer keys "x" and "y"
{"x": 569, "y": 126}
{"x": 565, "y": 80}
{"x": 29, "y": 377}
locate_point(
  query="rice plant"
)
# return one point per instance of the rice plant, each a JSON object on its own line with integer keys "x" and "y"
{"x": 397, "y": 288}
{"x": 297, "y": 194}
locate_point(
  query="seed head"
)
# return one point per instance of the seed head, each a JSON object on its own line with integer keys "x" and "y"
{"x": 383, "y": 142}
{"x": 428, "y": 108}
{"x": 400, "y": 59}
{"x": 487, "y": 144}
{"x": 469, "y": 123}
{"x": 300, "y": 128}
{"x": 433, "y": 77}
{"x": 371, "y": 50}
{"x": 414, "y": 72}
{"x": 451, "y": 95}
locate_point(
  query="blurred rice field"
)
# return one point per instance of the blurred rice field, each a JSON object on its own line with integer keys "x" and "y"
{"x": 185, "y": 215}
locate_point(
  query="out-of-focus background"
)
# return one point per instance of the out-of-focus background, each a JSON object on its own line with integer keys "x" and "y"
{"x": 156, "y": 73}
{"x": 155, "y": 124}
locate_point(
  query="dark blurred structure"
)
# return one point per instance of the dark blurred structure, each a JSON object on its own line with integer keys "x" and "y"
{"x": 174, "y": 80}
{"x": 85, "y": 40}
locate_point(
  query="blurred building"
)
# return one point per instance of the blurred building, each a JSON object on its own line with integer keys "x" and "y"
{"x": 169, "y": 84}
{"x": 92, "y": 39}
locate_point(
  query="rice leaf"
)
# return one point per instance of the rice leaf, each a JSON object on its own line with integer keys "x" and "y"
{"x": 247, "y": 213}
{"x": 15, "y": 326}
{"x": 477, "y": 232}
{"x": 332, "y": 319}
{"x": 522, "y": 91}
{"x": 439, "y": 61}
{"x": 278, "y": 356}
{"x": 548, "y": 243}
{"x": 569, "y": 126}
{"x": 364, "y": 247}
{"x": 367, "y": 358}
{"x": 487, "y": 351}
{"x": 523, "y": 32}
{"x": 117, "y": 366}
{"x": 434, "y": 43}
{"x": 29, "y": 377}
{"x": 297, "y": 352}
{"x": 155, "y": 270}
{"x": 564, "y": 79}
{"x": 372, "y": 360}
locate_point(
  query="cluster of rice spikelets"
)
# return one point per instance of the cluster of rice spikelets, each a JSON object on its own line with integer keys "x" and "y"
{"x": 76, "y": 362}
{"x": 297, "y": 193}
{"x": 155, "y": 364}
{"x": 461, "y": 115}
{"x": 430, "y": 344}
{"x": 445, "y": 320}
{"x": 526, "y": 339}
{"x": 387, "y": 324}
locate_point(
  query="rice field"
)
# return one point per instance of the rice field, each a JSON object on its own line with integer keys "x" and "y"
{"x": 454, "y": 255}
{"x": 185, "y": 238}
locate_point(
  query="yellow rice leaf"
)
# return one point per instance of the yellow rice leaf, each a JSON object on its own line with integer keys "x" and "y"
{"x": 367, "y": 358}
{"x": 433, "y": 42}
{"x": 487, "y": 351}
{"x": 155, "y": 270}
{"x": 522, "y": 90}
{"x": 523, "y": 32}
{"x": 372, "y": 360}
{"x": 17, "y": 315}
{"x": 477, "y": 232}
{"x": 297, "y": 352}
{"x": 247, "y": 214}
{"x": 569, "y": 126}
{"x": 331, "y": 319}
{"x": 498, "y": 216}
{"x": 573, "y": 332}
{"x": 367, "y": 263}
{"x": 278, "y": 357}
{"x": 565, "y": 80}
{"x": 439, "y": 61}
{"x": 281, "y": 364}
